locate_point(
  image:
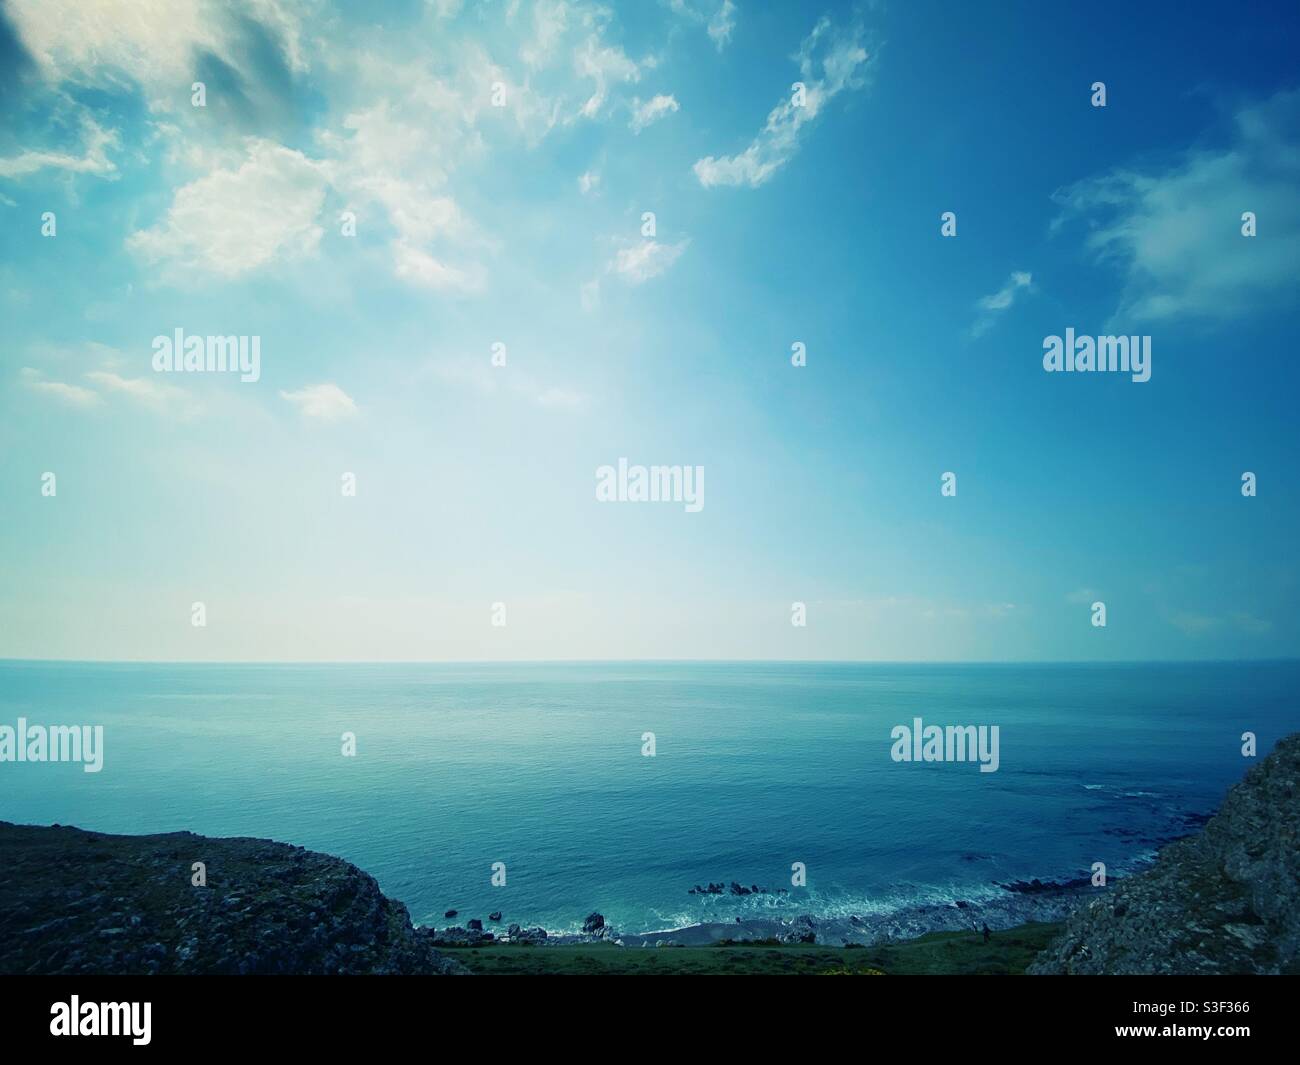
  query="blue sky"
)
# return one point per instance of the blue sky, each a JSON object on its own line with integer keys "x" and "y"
{"x": 522, "y": 225}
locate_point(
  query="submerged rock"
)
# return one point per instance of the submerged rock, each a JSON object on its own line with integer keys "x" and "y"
{"x": 1226, "y": 900}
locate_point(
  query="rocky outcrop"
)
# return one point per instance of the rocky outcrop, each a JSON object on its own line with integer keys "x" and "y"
{"x": 516, "y": 934}
{"x": 735, "y": 889}
{"x": 1226, "y": 900}
{"x": 74, "y": 902}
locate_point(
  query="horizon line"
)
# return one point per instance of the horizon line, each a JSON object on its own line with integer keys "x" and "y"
{"x": 648, "y": 661}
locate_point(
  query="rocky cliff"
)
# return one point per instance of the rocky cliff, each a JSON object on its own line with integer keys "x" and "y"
{"x": 84, "y": 902}
{"x": 1224, "y": 901}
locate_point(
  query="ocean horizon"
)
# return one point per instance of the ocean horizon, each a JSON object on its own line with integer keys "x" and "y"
{"x": 543, "y": 768}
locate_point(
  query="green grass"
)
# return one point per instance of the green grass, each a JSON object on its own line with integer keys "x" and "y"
{"x": 1007, "y": 953}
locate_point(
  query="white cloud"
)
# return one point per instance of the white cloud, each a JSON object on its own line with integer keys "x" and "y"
{"x": 830, "y": 62}
{"x": 1175, "y": 234}
{"x": 719, "y": 25}
{"x": 93, "y": 160}
{"x": 589, "y": 295}
{"x": 232, "y": 221}
{"x": 645, "y": 259}
{"x": 417, "y": 267}
{"x": 151, "y": 43}
{"x": 605, "y": 65}
{"x": 549, "y": 25}
{"x": 147, "y": 391}
{"x": 722, "y": 24}
{"x": 993, "y": 305}
{"x": 73, "y": 395}
{"x": 588, "y": 182}
{"x": 327, "y": 402}
{"x": 153, "y": 394}
{"x": 644, "y": 114}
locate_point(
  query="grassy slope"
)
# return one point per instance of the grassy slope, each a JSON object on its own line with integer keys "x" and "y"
{"x": 938, "y": 953}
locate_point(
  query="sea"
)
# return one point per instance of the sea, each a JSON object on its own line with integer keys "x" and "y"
{"x": 549, "y": 791}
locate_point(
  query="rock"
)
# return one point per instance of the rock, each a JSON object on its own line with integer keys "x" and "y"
{"x": 1226, "y": 900}
{"x": 294, "y": 912}
{"x": 593, "y": 923}
{"x": 451, "y": 913}
{"x": 495, "y": 915}
{"x": 475, "y": 925}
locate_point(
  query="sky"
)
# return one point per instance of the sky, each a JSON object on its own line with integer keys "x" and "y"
{"x": 640, "y": 209}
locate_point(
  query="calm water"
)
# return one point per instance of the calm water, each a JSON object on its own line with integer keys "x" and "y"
{"x": 758, "y": 766}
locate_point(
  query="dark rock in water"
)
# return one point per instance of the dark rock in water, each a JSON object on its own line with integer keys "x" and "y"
{"x": 1226, "y": 900}
{"x": 738, "y": 889}
{"x": 1039, "y": 887}
{"x": 593, "y": 923}
{"x": 80, "y": 903}
{"x": 451, "y": 913}
{"x": 513, "y": 930}
{"x": 495, "y": 915}
{"x": 962, "y": 904}
{"x": 475, "y": 925}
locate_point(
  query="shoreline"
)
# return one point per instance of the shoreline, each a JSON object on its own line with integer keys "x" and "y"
{"x": 1021, "y": 903}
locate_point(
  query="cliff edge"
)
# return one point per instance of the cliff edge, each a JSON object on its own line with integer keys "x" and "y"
{"x": 75, "y": 902}
{"x": 1226, "y": 900}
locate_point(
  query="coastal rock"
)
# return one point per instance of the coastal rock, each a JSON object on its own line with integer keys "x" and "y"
{"x": 593, "y": 924}
{"x": 516, "y": 934}
{"x": 495, "y": 915}
{"x": 81, "y": 903}
{"x": 475, "y": 925}
{"x": 1226, "y": 900}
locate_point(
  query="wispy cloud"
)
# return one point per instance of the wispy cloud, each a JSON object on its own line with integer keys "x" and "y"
{"x": 994, "y": 305}
{"x": 719, "y": 22}
{"x": 147, "y": 391}
{"x": 640, "y": 261}
{"x": 323, "y": 402}
{"x": 95, "y": 142}
{"x": 722, "y": 24}
{"x": 72, "y": 395}
{"x": 831, "y": 61}
{"x": 157, "y": 396}
{"x": 1175, "y": 234}
{"x": 651, "y": 111}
